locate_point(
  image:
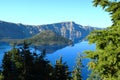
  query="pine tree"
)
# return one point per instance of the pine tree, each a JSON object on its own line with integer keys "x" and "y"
{"x": 11, "y": 65}
{"x": 61, "y": 71}
{"x": 6, "y": 67}
{"x": 1, "y": 76}
{"x": 17, "y": 64}
{"x": 21, "y": 64}
{"x": 42, "y": 70}
{"x": 76, "y": 74}
{"x": 105, "y": 60}
{"x": 27, "y": 62}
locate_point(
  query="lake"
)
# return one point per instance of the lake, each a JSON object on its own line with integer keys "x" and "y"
{"x": 68, "y": 53}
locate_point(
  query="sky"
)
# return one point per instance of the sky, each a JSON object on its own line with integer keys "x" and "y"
{"x": 38, "y": 12}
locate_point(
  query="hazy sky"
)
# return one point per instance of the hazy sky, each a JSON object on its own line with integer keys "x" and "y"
{"x": 37, "y": 12}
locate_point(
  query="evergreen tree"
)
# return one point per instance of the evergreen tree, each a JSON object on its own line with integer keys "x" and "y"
{"x": 76, "y": 74}
{"x": 1, "y": 76}
{"x": 61, "y": 71}
{"x": 105, "y": 60}
{"x": 17, "y": 64}
{"x": 27, "y": 62}
{"x": 42, "y": 69}
{"x": 21, "y": 64}
{"x": 7, "y": 67}
{"x": 11, "y": 65}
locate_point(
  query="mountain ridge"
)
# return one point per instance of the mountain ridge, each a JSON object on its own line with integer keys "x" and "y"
{"x": 68, "y": 29}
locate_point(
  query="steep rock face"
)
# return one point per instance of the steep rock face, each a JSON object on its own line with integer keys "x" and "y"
{"x": 69, "y": 30}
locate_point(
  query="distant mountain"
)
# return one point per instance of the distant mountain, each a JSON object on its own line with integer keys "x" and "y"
{"x": 47, "y": 38}
{"x": 16, "y": 31}
{"x": 70, "y": 30}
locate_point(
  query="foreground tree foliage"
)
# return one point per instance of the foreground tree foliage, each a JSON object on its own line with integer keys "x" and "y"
{"x": 61, "y": 71}
{"x": 105, "y": 60}
{"x": 76, "y": 74}
{"x": 1, "y": 76}
{"x": 12, "y": 65}
{"x": 22, "y": 64}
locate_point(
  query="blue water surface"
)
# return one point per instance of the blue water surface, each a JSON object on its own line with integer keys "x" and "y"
{"x": 69, "y": 55}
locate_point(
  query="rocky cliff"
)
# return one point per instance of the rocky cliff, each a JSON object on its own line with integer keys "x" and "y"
{"x": 71, "y": 30}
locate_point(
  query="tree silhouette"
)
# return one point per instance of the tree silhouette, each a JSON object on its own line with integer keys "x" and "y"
{"x": 76, "y": 74}
{"x": 61, "y": 71}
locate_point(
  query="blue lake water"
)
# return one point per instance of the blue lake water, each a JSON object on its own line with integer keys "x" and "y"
{"x": 68, "y": 53}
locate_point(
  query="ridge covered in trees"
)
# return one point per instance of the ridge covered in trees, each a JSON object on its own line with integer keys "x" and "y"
{"x": 46, "y": 38}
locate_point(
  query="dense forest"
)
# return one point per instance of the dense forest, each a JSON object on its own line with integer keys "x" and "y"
{"x": 21, "y": 64}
